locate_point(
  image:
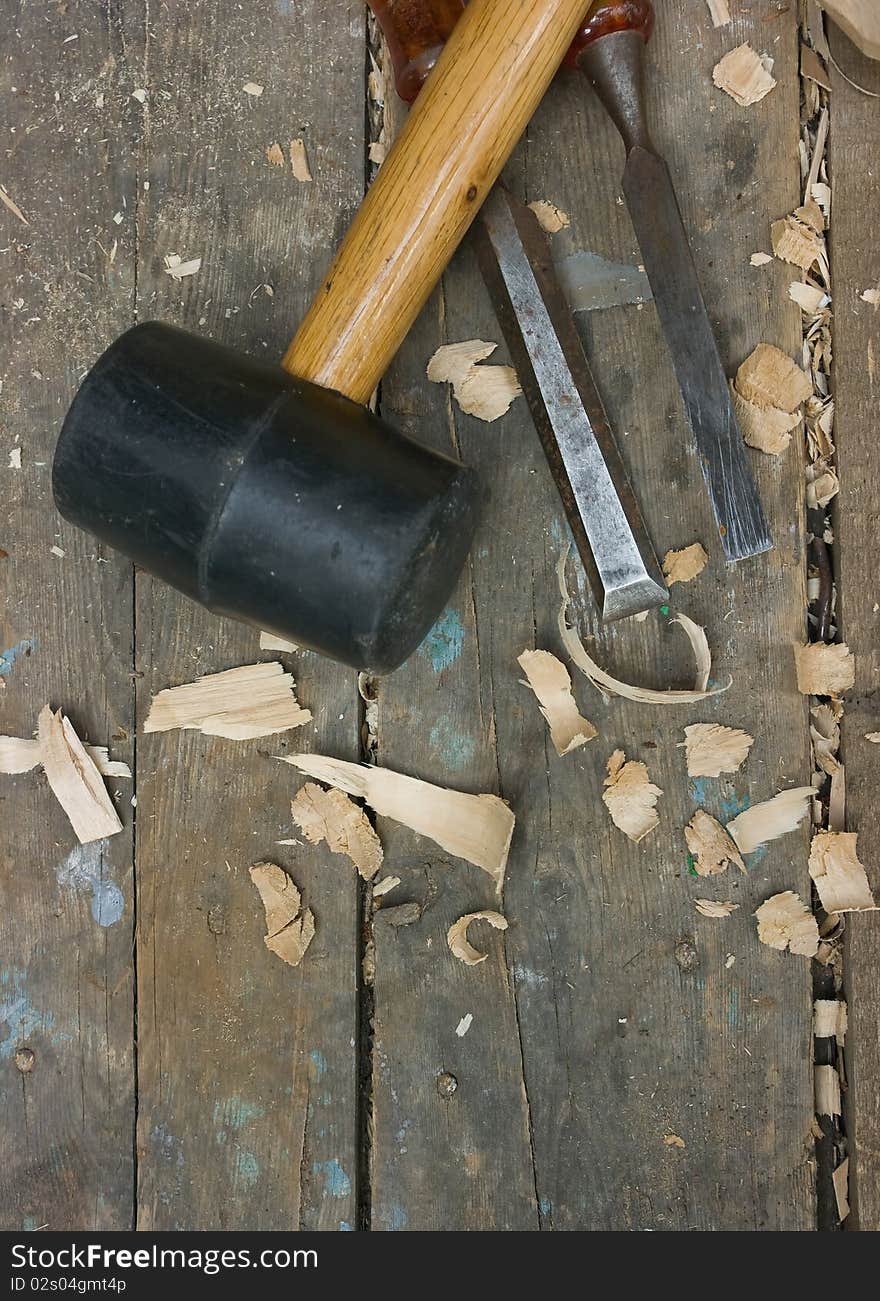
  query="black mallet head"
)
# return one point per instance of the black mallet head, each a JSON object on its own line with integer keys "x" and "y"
{"x": 264, "y": 497}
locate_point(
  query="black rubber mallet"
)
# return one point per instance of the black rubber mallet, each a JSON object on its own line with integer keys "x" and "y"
{"x": 272, "y": 494}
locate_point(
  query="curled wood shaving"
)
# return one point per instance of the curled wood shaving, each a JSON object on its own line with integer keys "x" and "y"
{"x": 841, "y": 881}
{"x": 673, "y": 1140}
{"x": 549, "y": 679}
{"x": 482, "y": 391}
{"x": 809, "y": 298}
{"x": 17, "y": 755}
{"x": 822, "y": 483}
{"x": 240, "y": 704}
{"x": 710, "y": 846}
{"x": 768, "y": 429}
{"x": 74, "y": 779}
{"x": 715, "y": 907}
{"x": 825, "y": 735}
{"x": 299, "y": 163}
{"x": 827, "y": 1083}
{"x": 630, "y": 797}
{"x": 785, "y": 922}
{"x": 457, "y": 936}
{"x": 477, "y": 828}
{"x": 289, "y": 932}
{"x": 795, "y": 242}
{"x": 811, "y": 215}
{"x": 744, "y": 75}
{"x": 712, "y": 749}
{"x": 824, "y": 669}
{"x": 551, "y": 218}
{"x": 331, "y": 816}
{"x": 682, "y": 566}
{"x": 769, "y": 378}
{"x": 860, "y": 19}
{"x": 830, "y": 1019}
{"x": 771, "y": 819}
{"x": 610, "y": 686}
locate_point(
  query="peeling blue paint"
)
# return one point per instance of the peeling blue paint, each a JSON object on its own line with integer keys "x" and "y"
{"x": 20, "y": 1020}
{"x": 444, "y": 642}
{"x": 456, "y": 750}
{"x": 732, "y": 806}
{"x": 8, "y": 657}
{"x": 396, "y": 1218}
{"x": 732, "y": 1007}
{"x": 166, "y": 1145}
{"x": 345, "y": 1227}
{"x": 545, "y": 1206}
{"x": 318, "y": 1063}
{"x": 235, "y": 1112}
{"x": 336, "y": 1181}
{"x": 85, "y": 869}
{"x": 247, "y": 1168}
{"x": 700, "y": 791}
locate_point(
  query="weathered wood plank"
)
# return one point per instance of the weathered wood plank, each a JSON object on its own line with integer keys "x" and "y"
{"x": 247, "y": 1068}
{"x": 66, "y": 911}
{"x": 610, "y": 1017}
{"x": 854, "y": 138}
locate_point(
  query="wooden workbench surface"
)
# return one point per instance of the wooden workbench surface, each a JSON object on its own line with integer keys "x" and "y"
{"x": 182, "y": 1076}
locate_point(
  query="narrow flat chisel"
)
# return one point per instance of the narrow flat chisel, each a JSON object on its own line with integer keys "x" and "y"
{"x": 610, "y": 51}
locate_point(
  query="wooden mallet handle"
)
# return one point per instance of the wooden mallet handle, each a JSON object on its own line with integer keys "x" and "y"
{"x": 475, "y": 105}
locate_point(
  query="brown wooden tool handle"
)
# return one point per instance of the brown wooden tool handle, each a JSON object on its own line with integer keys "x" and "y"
{"x": 485, "y": 87}
{"x": 621, "y": 16}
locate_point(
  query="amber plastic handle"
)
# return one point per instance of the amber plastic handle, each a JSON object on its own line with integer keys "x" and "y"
{"x": 475, "y": 105}
{"x": 605, "y": 20}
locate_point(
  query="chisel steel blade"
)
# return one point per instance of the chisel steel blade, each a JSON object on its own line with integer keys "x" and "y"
{"x": 543, "y": 340}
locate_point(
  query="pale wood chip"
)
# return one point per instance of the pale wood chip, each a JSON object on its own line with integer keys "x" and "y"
{"x": 457, "y": 936}
{"x": 331, "y": 816}
{"x": 769, "y": 378}
{"x": 840, "y": 1183}
{"x": 841, "y": 881}
{"x": 771, "y": 819}
{"x": 712, "y": 749}
{"x": 630, "y": 797}
{"x": 813, "y": 68}
{"x": 13, "y": 207}
{"x": 289, "y": 932}
{"x": 252, "y": 88}
{"x": 15, "y": 458}
{"x": 824, "y": 669}
{"x": 18, "y": 754}
{"x": 827, "y": 1083}
{"x": 240, "y": 704}
{"x": 74, "y": 779}
{"x": 451, "y": 363}
{"x": 860, "y": 19}
{"x": 825, "y": 736}
{"x": 744, "y": 75}
{"x": 549, "y": 679}
{"x": 768, "y": 429}
{"x": 715, "y": 907}
{"x": 811, "y": 215}
{"x": 871, "y": 296}
{"x": 268, "y": 641}
{"x": 477, "y": 828}
{"x": 378, "y": 152}
{"x": 673, "y": 1140}
{"x": 275, "y": 155}
{"x": 177, "y": 269}
{"x": 796, "y": 243}
{"x": 482, "y": 391}
{"x": 385, "y": 886}
{"x": 785, "y": 922}
{"x": 710, "y": 846}
{"x": 873, "y": 737}
{"x": 682, "y": 566}
{"x": 551, "y": 218}
{"x": 464, "y": 1025}
{"x": 823, "y": 483}
{"x": 760, "y": 259}
{"x": 809, "y": 298}
{"x": 299, "y": 163}
{"x": 719, "y": 13}
{"x": 830, "y": 1019}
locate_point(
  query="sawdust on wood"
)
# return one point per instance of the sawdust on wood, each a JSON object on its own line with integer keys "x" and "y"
{"x": 771, "y": 819}
{"x": 457, "y": 936}
{"x": 299, "y": 163}
{"x": 269, "y": 642}
{"x": 332, "y": 816}
{"x": 824, "y": 669}
{"x": 711, "y": 749}
{"x": 289, "y": 932}
{"x": 240, "y": 704}
{"x": 710, "y": 846}
{"x": 744, "y": 75}
{"x": 630, "y": 797}
{"x": 74, "y": 779}
{"x": 486, "y": 392}
{"x": 715, "y": 907}
{"x": 841, "y": 880}
{"x": 683, "y": 566}
{"x": 477, "y": 828}
{"x": 549, "y": 679}
{"x": 769, "y": 378}
{"x": 785, "y": 922}
{"x": 551, "y": 218}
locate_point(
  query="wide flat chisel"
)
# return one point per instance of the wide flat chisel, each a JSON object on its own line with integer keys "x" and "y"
{"x": 610, "y": 51}
{"x": 537, "y": 322}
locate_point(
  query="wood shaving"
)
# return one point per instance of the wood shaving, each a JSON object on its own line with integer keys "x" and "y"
{"x": 830, "y": 1019}
{"x": 841, "y": 881}
{"x": 825, "y": 736}
{"x": 813, "y": 68}
{"x": 239, "y": 704}
{"x": 673, "y": 1140}
{"x": 299, "y": 163}
{"x": 630, "y": 797}
{"x": 477, "y": 828}
{"x": 824, "y": 669}
{"x": 744, "y": 75}
{"x": 464, "y": 1025}
{"x": 768, "y": 429}
{"x": 860, "y": 19}
{"x": 873, "y": 737}
{"x": 549, "y": 679}
{"x": 785, "y": 922}
{"x": 457, "y": 936}
{"x": 378, "y": 152}
{"x": 715, "y": 907}
{"x": 822, "y": 483}
{"x": 827, "y": 1083}
{"x": 486, "y": 392}
{"x": 252, "y": 88}
{"x": 840, "y": 1183}
{"x": 837, "y": 801}
{"x": 771, "y": 819}
{"x": 330, "y": 815}
{"x": 13, "y": 207}
{"x": 18, "y": 755}
{"x": 610, "y": 686}
{"x": 809, "y": 298}
{"x": 74, "y": 779}
{"x": 269, "y": 642}
{"x": 275, "y": 155}
{"x": 289, "y": 932}
{"x": 796, "y": 243}
{"x": 811, "y": 215}
{"x": 385, "y": 886}
{"x": 710, "y": 846}
{"x": 683, "y": 566}
{"x": 760, "y": 259}
{"x": 712, "y": 749}
{"x": 15, "y": 458}
{"x": 140, "y": 96}
{"x": 551, "y": 218}
{"x": 176, "y": 268}
{"x": 769, "y": 378}
{"x": 720, "y": 15}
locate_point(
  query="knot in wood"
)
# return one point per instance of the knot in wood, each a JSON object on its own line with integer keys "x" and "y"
{"x": 446, "y": 1084}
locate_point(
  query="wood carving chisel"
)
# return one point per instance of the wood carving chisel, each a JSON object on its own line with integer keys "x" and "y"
{"x": 544, "y": 343}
